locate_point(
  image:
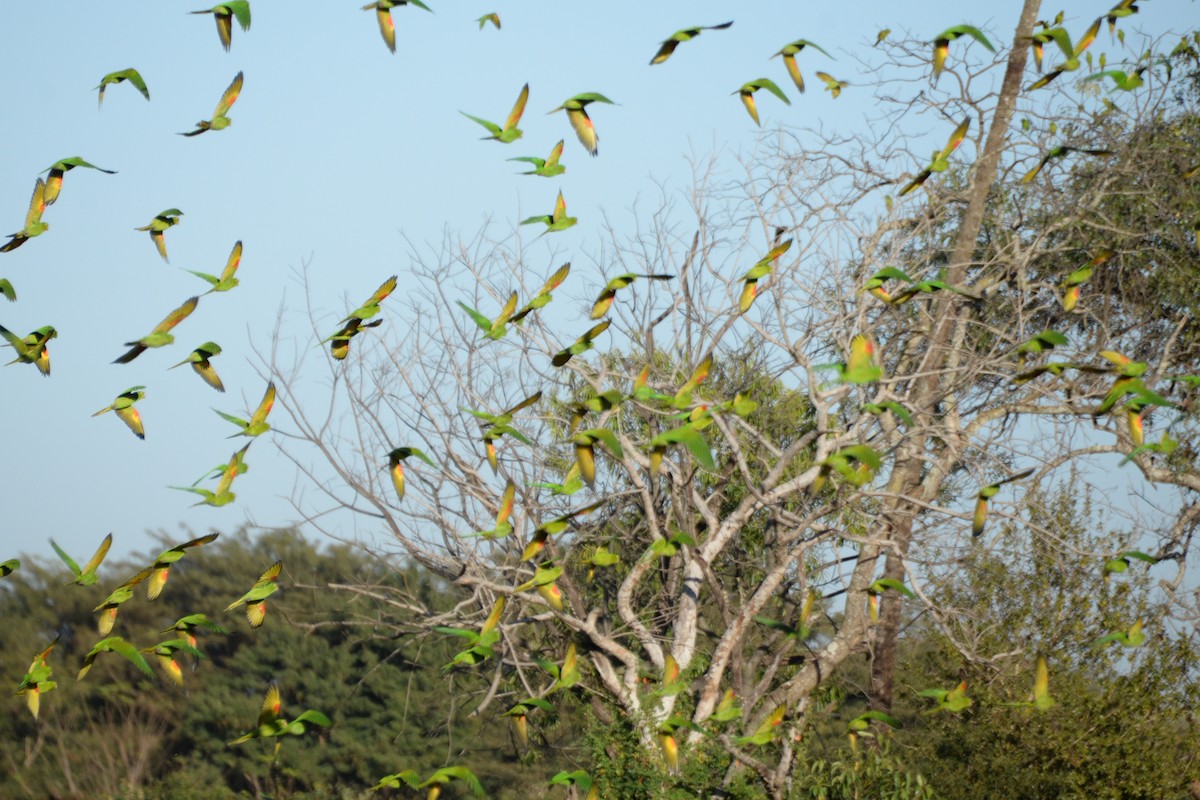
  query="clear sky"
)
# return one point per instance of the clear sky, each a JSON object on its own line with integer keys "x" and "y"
{"x": 341, "y": 160}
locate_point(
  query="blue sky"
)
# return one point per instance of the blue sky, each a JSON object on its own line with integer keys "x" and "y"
{"x": 341, "y": 161}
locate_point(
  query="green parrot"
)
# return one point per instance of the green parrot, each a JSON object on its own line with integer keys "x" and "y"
{"x": 257, "y": 424}
{"x": 889, "y": 405}
{"x": 1040, "y": 699}
{"x": 979, "y": 518}
{"x": 940, "y": 162}
{"x": 435, "y": 782}
{"x": 1072, "y": 53}
{"x": 756, "y": 273}
{"x": 747, "y": 90}
{"x": 503, "y": 513}
{"x": 510, "y": 132}
{"x": 686, "y": 435}
{"x": 544, "y": 582}
{"x": 33, "y": 220}
{"x": 371, "y": 307}
{"x": 565, "y": 675}
{"x": 497, "y": 425}
{"x": 832, "y": 84}
{"x": 597, "y": 403}
{"x": 685, "y": 35}
{"x": 396, "y": 466}
{"x": 86, "y": 576}
{"x": 767, "y": 731}
{"x": 162, "y": 221}
{"x": 165, "y": 653}
{"x": 605, "y": 300}
{"x": 162, "y": 564}
{"x": 547, "y": 167}
{"x": 268, "y": 717}
{"x": 160, "y": 336}
{"x": 727, "y": 710}
{"x": 941, "y": 44}
{"x": 199, "y": 359}
{"x": 493, "y": 18}
{"x": 383, "y": 13}
{"x": 33, "y": 348}
{"x": 555, "y": 221}
{"x": 543, "y": 295}
{"x": 256, "y": 598}
{"x": 496, "y": 328}
{"x": 186, "y": 626}
{"x": 585, "y": 450}
{"x": 571, "y": 483}
{"x": 581, "y": 345}
{"x": 60, "y": 168}
{"x": 9, "y": 567}
{"x": 1045, "y": 35}
{"x": 1130, "y": 638}
{"x": 221, "y": 496}
{"x": 123, "y": 407}
{"x": 219, "y": 120}
{"x": 1125, "y": 81}
{"x": 120, "y": 76}
{"x": 881, "y": 36}
{"x": 860, "y": 726}
{"x": 860, "y": 366}
{"x": 952, "y": 700}
{"x": 1059, "y": 152}
{"x": 224, "y": 14}
{"x": 576, "y": 108}
{"x": 339, "y": 340}
{"x": 226, "y": 281}
{"x": 113, "y": 644}
{"x": 683, "y": 397}
{"x": 857, "y": 464}
{"x": 520, "y": 716}
{"x": 1075, "y": 280}
{"x": 789, "y": 53}
{"x": 112, "y": 604}
{"x": 7, "y": 290}
{"x": 481, "y": 642}
{"x": 1121, "y": 562}
{"x": 543, "y": 532}
{"x": 37, "y": 679}
{"x": 1043, "y": 342}
{"x": 579, "y": 780}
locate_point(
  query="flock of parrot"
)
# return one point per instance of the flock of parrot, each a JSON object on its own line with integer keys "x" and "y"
{"x": 855, "y": 464}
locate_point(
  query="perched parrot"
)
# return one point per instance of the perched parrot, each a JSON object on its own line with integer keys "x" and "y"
{"x": 162, "y": 564}
{"x": 510, "y": 132}
{"x": 941, "y": 44}
{"x": 221, "y": 496}
{"x": 157, "y": 226}
{"x": 161, "y": 335}
{"x": 86, "y": 576}
{"x": 979, "y": 519}
{"x": 226, "y": 280}
{"x": 605, "y": 300}
{"x": 581, "y": 345}
{"x": 37, "y": 679}
{"x": 685, "y": 35}
{"x": 59, "y": 168}
{"x": 941, "y": 158}
{"x": 547, "y": 167}
{"x": 257, "y": 424}
{"x": 123, "y": 407}
{"x": 33, "y": 220}
{"x": 383, "y": 13}
{"x": 120, "y": 76}
{"x": 219, "y": 120}
{"x": 747, "y": 90}
{"x": 201, "y": 364}
{"x": 33, "y": 348}
{"x": 256, "y": 598}
{"x": 396, "y": 466}
{"x": 576, "y": 108}
{"x": 556, "y": 220}
{"x": 112, "y": 604}
{"x": 789, "y": 53}
{"x": 224, "y": 14}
